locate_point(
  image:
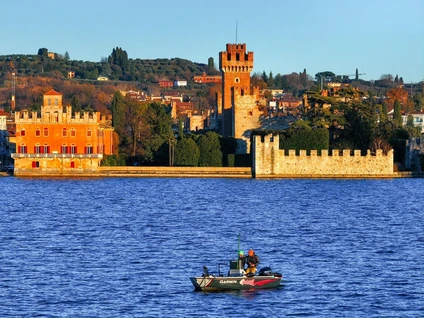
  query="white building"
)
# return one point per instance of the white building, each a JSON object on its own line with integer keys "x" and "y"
{"x": 418, "y": 119}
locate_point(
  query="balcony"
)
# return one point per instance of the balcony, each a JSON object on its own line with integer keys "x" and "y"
{"x": 57, "y": 155}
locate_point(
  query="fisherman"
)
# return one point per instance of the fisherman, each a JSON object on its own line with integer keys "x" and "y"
{"x": 241, "y": 260}
{"x": 252, "y": 260}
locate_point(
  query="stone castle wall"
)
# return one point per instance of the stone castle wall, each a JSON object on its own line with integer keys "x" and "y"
{"x": 271, "y": 162}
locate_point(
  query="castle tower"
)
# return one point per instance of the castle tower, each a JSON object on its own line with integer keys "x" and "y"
{"x": 235, "y": 65}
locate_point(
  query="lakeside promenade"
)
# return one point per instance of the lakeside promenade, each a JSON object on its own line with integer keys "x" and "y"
{"x": 208, "y": 172}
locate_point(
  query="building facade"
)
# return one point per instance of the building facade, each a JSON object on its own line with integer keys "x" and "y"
{"x": 60, "y": 142}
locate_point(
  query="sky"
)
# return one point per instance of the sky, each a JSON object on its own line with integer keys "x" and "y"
{"x": 377, "y": 37}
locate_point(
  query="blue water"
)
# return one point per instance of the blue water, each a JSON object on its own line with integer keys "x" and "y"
{"x": 127, "y": 247}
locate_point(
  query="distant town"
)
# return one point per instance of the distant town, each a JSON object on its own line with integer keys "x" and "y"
{"x": 65, "y": 117}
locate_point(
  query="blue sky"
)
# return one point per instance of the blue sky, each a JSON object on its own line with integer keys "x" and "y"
{"x": 376, "y": 36}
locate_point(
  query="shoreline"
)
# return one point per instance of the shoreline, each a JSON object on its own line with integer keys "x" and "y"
{"x": 204, "y": 172}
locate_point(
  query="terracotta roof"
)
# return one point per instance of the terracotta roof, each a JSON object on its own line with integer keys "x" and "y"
{"x": 52, "y": 92}
{"x": 3, "y": 113}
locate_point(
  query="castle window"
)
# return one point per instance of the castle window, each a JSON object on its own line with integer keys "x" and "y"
{"x": 46, "y": 148}
{"x": 23, "y": 132}
{"x": 89, "y": 132}
{"x": 89, "y": 149}
{"x": 73, "y": 149}
{"x": 64, "y": 149}
{"x": 228, "y": 56}
{"x": 73, "y": 132}
{"x": 46, "y": 132}
{"x": 250, "y": 113}
{"x": 37, "y": 132}
{"x": 56, "y": 102}
{"x": 64, "y": 134}
{"x": 237, "y": 56}
{"x": 237, "y": 80}
{"x": 37, "y": 148}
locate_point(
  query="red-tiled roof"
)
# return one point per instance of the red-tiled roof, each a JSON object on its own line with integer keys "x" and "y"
{"x": 52, "y": 92}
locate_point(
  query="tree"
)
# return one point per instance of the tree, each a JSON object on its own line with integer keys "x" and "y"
{"x": 67, "y": 56}
{"x": 360, "y": 124}
{"x": 75, "y": 103}
{"x": 410, "y": 121}
{"x": 187, "y": 153}
{"x": 210, "y": 150}
{"x": 135, "y": 128}
{"x": 418, "y": 102}
{"x": 159, "y": 119}
{"x": 180, "y": 129}
{"x": 356, "y": 75}
{"x": 399, "y": 94}
{"x": 211, "y": 66}
{"x": 118, "y": 57}
{"x": 43, "y": 52}
{"x": 118, "y": 112}
{"x": 270, "y": 80}
{"x": 397, "y": 113}
{"x": 155, "y": 147}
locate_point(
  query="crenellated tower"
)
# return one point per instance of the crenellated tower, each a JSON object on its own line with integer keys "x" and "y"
{"x": 235, "y": 65}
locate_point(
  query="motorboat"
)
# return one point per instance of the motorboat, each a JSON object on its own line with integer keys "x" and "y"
{"x": 236, "y": 279}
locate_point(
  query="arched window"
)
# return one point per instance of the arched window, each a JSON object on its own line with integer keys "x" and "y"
{"x": 22, "y": 148}
{"x": 37, "y": 132}
{"x": 37, "y": 148}
{"x": 56, "y": 102}
{"x": 64, "y": 148}
{"x": 49, "y": 102}
{"x": 73, "y": 132}
{"x": 89, "y": 149}
{"x": 22, "y": 132}
{"x": 89, "y": 133}
{"x": 46, "y": 148}
{"x": 64, "y": 132}
{"x": 73, "y": 148}
{"x": 46, "y": 132}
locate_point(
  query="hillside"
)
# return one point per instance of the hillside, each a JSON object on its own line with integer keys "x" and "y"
{"x": 37, "y": 73}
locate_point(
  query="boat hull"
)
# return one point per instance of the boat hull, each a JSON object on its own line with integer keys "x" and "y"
{"x": 213, "y": 283}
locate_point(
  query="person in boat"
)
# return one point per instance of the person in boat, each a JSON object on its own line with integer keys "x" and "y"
{"x": 252, "y": 260}
{"x": 242, "y": 260}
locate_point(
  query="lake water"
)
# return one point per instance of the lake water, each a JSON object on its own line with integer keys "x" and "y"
{"x": 127, "y": 247}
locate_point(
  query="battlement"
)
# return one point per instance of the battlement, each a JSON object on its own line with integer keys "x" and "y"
{"x": 271, "y": 161}
{"x": 55, "y": 114}
{"x": 234, "y": 56}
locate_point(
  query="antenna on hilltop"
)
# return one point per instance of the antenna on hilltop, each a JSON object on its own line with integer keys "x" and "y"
{"x": 236, "y": 30}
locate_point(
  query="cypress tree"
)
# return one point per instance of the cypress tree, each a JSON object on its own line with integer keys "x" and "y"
{"x": 397, "y": 112}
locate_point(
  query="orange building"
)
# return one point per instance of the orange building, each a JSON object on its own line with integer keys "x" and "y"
{"x": 207, "y": 78}
{"x": 60, "y": 142}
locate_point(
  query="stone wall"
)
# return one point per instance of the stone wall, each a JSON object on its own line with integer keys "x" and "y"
{"x": 56, "y": 164}
{"x": 271, "y": 162}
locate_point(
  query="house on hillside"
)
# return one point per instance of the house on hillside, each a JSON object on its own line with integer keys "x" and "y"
{"x": 418, "y": 119}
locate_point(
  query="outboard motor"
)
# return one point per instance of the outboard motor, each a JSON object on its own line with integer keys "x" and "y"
{"x": 266, "y": 271}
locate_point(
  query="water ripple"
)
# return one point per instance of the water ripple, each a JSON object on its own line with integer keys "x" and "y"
{"x": 126, "y": 247}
